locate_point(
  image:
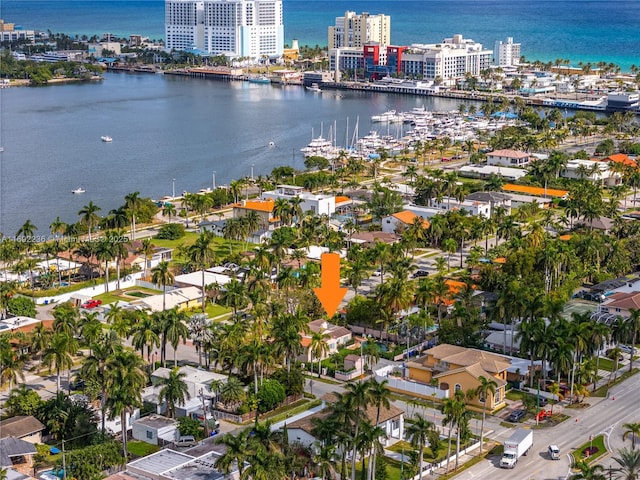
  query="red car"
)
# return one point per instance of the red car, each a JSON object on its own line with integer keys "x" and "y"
{"x": 91, "y": 304}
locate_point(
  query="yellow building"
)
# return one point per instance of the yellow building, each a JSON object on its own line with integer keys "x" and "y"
{"x": 458, "y": 368}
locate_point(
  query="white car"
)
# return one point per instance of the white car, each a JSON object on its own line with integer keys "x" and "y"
{"x": 554, "y": 452}
{"x": 377, "y": 273}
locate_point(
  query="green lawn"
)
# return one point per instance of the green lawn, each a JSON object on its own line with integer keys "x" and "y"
{"x": 602, "y": 391}
{"x": 109, "y": 297}
{"x": 141, "y": 449}
{"x": 221, "y": 246}
{"x": 393, "y": 469}
{"x": 597, "y": 442}
{"x": 441, "y": 454}
{"x": 215, "y": 310}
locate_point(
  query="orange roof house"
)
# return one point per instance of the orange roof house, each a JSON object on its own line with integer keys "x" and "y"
{"x": 621, "y": 158}
{"x": 537, "y": 191}
{"x": 397, "y": 222}
{"x": 264, "y": 209}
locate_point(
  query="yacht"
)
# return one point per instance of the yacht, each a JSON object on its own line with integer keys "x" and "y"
{"x": 78, "y": 190}
{"x": 314, "y": 88}
{"x": 106, "y": 138}
{"x": 319, "y": 147}
{"x": 387, "y": 117}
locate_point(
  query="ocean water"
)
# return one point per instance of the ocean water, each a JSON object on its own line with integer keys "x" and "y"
{"x": 578, "y": 30}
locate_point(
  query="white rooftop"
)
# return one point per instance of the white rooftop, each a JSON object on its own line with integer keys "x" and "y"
{"x": 160, "y": 462}
{"x": 195, "y": 278}
{"x": 173, "y": 298}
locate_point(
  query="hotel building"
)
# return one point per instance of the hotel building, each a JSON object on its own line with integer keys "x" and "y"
{"x": 506, "y": 54}
{"x": 447, "y": 61}
{"x": 235, "y": 28}
{"x": 354, "y": 31}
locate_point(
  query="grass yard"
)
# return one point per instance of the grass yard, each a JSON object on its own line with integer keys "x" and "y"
{"x": 602, "y": 391}
{"x": 606, "y": 364}
{"x": 141, "y": 449}
{"x": 579, "y": 456}
{"x": 393, "y": 469}
{"x": 441, "y": 454}
{"x": 109, "y": 297}
{"x": 215, "y": 310}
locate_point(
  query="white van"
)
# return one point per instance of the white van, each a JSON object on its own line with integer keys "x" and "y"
{"x": 186, "y": 441}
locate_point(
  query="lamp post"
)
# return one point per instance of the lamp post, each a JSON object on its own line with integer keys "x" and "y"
{"x": 252, "y": 165}
{"x": 173, "y": 183}
{"x": 214, "y": 179}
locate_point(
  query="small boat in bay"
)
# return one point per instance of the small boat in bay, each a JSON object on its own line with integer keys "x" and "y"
{"x": 106, "y": 138}
{"x": 78, "y": 190}
{"x": 259, "y": 79}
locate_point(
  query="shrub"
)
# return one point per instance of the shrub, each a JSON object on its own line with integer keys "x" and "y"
{"x": 270, "y": 394}
{"x": 189, "y": 426}
{"x": 22, "y": 306}
{"x": 171, "y": 231}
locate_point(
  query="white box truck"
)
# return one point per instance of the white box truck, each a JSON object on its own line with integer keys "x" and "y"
{"x": 517, "y": 445}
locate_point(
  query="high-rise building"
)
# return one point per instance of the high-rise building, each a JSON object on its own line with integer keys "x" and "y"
{"x": 447, "y": 61}
{"x": 355, "y": 30}
{"x": 235, "y": 28}
{"x": 506, "y": 54}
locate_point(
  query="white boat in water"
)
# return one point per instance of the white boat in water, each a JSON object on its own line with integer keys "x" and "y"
{"x": 106, "y": 138}
{"x": 388, "y": 117}
{"x": 78, "y": 190}
{"x": 314, "y": 88}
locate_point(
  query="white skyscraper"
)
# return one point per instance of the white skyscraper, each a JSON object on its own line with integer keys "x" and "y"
{"x": 236, "y": 28}
{"x": 355, "y": 30}
{"x": 506, "y": 54}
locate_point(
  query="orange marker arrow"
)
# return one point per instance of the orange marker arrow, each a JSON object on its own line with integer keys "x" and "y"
{"x": 330, "y": 294}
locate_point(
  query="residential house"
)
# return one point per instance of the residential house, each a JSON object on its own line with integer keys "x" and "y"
{"x": 473, "y": 207}
{"x": 593, "y": 171}
{"x": 604, "y": 224}
{"x": 353, "y": 368}
{"x": 621, "y": 158}
{"x": 263, "y": 208}
{"x": 155, "y": 429}
{"x": 16, "y": 452}
{"x": 137, "y": 260}
{"x": 194, "y": 279}
{"x": 337, "y": 338}
{"x": 391, "y": 421}
{"x": 180, "y": 298}
{"x": 216, "y": 227}
{"x": 508, "y": 158}
{"x": 493, "y": 199}
{"x": 24, "y": 427}
{"x": 369, "y": 239}
{"x": 400, "y": 221}
{"x": 617, "y": 304}
{"x": 485, "y": 171}
{"x": 456, "y": 368}
{"x": 202, "y": 387}
{"x": 318, "y": 204}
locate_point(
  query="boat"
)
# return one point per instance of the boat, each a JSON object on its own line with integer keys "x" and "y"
{"x": 388, "y": 117}
{"x": 259, "y": 79}
{"x": 314, "y": 88}
{"x": 78, "y": 190}
{"x": 106, "y": 138}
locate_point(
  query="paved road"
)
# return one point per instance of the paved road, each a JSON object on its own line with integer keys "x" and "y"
{"x": 605, "y": 416}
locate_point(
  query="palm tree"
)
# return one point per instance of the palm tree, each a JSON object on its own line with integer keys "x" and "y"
{"x": 418, "y": 433}
{"x": 487, "y": 387}
{"x": 173, "y": 330}
{"x": 125, "y": 382}
{"x": 146, "y": 250}
{"x": 199, "y": 333}
{"x": 169, "y": 210}
{"x": 629, "y": 461}
{"x": 132, "y": 204}
{"x": 634, "y": 320}
{"x": 318, "y": 347}
{"x": 58, "y": 354}
{"x": 201, "y": 255}
{"x": 89, "y": 216}
{"x": 162, "y": 275}
{"x": 174, "y": 391}
{"x": 633, "y": 430}
{"x": 358, "y": 397}
{"x": 145, "y": 334}
{"x": 589, "y": 472}
{"x": 236, "y": 452}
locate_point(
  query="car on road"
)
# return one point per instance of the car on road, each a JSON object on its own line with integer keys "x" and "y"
{"x": 542, "y": 401}
{"x": 627, "y": 349}
{"x": 554, "y": 452}
{"x": 377, "y": 273}
{"x": 516, "y": 416}
{"x": 420, "y": 273}
{"x": 186, "y": 441}
{"x": 91, "y": 303}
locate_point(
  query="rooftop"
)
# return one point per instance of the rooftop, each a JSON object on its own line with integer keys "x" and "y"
{"x": 20, "y": 426}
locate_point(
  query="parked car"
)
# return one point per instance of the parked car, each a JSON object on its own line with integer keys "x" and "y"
{"x": 554, "y": 452}
{"x": 186, "y": 441}
{"x": 542, "y": 401}
{"x": 516, "y": 416}
{"x": 627, "y": 349}
{"x": 420, "y": 273}
{"x": 91, "y": 303}
{"x": 377, "y": 273}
